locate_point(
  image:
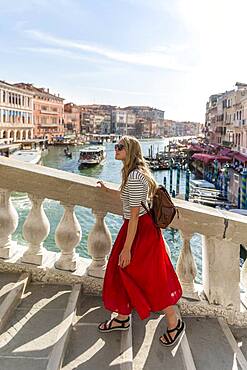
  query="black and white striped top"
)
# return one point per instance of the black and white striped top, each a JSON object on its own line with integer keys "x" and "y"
{"x": 134, "y": 192}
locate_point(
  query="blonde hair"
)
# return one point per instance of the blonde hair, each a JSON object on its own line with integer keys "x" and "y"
{"x": 134, "y": 160}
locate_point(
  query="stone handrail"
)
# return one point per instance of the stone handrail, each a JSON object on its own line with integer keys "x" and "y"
{"x": 222, "y": 231}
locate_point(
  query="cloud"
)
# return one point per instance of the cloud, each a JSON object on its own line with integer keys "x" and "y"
{"x": 59, "y": 53}
{"x": 157, "y": 59}
{"x": 129, "y": 92}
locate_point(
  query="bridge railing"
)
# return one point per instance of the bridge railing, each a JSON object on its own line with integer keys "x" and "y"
{"x": 222, "y": 232}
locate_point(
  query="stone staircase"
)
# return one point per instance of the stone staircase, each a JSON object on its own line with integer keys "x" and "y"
{"x": 54, "y": 326}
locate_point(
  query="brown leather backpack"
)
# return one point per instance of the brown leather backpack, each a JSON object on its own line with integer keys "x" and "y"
{"x": 162, "y": 210}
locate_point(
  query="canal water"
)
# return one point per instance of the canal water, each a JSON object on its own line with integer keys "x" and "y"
{"x": 110, "y": 171}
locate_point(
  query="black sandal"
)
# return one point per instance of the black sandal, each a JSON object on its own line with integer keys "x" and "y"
{"x": 108, "y": 325}
{"x": 180, "y": 328}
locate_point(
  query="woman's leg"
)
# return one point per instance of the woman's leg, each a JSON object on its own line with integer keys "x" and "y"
{"x": 171, "y": 317}
{"x": 172, "y": 321}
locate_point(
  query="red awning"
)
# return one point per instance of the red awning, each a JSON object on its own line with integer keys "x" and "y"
{"x": 240, "y": 157}
{"x": 197, "y": 148}
{"x": 207, "y": 158}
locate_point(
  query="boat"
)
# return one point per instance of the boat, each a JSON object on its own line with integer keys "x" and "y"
{"x": 67, "y": 152}
{"x": 96, "y": 142}
{"x": 31, "y": 151}
{"x": 92, "y": 156}
{"x": 204, "y": 192}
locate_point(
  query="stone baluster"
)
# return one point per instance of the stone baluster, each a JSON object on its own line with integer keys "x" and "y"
{"x": 186, "y": 267}
{"x": 220, "y": 271}
{"x": 68, "y": 236}
{"x": 36, "y": 228}
{"x": 8, "y": 224}
{"x": 99, "y": 245}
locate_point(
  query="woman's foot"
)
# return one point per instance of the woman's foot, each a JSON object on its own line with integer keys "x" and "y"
{"x": 173, "y": 335}
{"x": 114, "y": 324}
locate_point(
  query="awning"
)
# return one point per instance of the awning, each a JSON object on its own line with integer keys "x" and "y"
{"x": 197, "y": 148}
{"x": 207, "y": 158}
{"x": 240, "y": 157}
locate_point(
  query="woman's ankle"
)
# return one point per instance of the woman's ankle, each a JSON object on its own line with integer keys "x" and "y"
{"x": 122, "y": 317}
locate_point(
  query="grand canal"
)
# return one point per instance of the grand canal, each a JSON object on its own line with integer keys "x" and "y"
{"x": 110, "y": 171}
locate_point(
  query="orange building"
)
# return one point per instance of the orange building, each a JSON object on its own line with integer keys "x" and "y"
{"x": 73, "y": 118}
{"x": 48, "y": 112}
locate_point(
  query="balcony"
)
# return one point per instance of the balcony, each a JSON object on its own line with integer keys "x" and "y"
{"x": 46, "y": 285}
{"x": 41, "y": 125}
{"x": 50, "y": 112}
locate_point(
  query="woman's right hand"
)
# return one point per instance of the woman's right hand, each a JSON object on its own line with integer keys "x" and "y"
{"x": 100, "y": 184}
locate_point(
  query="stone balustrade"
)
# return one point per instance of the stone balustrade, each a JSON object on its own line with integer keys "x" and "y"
{"x": 222, "y": 232}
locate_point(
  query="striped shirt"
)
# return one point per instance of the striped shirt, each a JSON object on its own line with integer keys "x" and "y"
{"x": 134, "y": 192}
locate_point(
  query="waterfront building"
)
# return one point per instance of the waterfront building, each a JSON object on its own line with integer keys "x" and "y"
{"x": 97, "y": 119}
{"x": 150, "y": 128}
{"x": 48, "y": 112}
{"x": 16, "y": 114}
{"x": 146, "y": 112}
{"x": 226, "y": 125}
{"x": 226, "y": 118}
{"x": 123, "y": 121}
{"x": 152, "y": 120}
{"x": 181, "y": 128}
{"x": 73, "y": 119}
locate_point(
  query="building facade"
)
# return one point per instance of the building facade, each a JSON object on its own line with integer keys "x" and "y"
{"x": 16, "y": 114}
{"x": 48, "y": 112}
{"x": 97, "y": 119}
{"x": 123, "y": 122}
{"x": 73, "y": 119}
{"x": 226, "y": 118}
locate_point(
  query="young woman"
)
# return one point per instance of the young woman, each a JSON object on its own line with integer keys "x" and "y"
{"x": 139, "y": 273}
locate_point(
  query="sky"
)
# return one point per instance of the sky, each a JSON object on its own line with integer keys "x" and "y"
{"x": 168, "y": 54}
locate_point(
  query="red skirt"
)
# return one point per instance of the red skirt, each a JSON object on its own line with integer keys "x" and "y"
{"x": 149, "y": 283}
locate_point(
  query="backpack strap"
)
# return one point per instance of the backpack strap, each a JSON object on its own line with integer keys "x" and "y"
{"x": 146, "y": 209}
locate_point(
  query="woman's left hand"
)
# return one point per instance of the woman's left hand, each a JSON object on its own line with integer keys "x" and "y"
{"x": 124, "y": 258}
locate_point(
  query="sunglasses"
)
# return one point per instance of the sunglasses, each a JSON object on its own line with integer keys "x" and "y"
{"x": 119, "y": 147}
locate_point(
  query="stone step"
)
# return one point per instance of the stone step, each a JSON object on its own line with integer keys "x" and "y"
{"x": 57, "y": 354}
{"x": 7, "y": 282}
{"x": 209, "y": 345}
{"x": 89, "y": 349}
{"x": 35, "y": 328}
{"x": 148, "y": 352}
{"x": 11, "y": 293}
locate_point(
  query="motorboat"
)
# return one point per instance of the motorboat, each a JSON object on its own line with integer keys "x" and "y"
{"x": 30, "y": 151}
{"x": 92, "y": 156}
{"x": 204, "y": 192}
